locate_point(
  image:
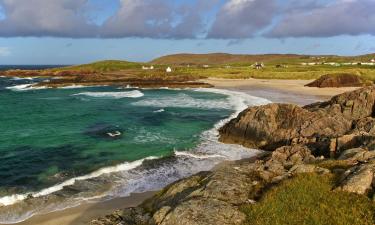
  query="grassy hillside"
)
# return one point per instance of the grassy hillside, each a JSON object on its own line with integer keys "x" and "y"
{"x": 103, "y": 66}
{"x": 222, "y": 58}
{"x": 231, "y": 59}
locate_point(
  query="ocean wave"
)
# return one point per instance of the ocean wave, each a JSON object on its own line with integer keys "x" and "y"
{"x": 116, "y": 95}
{"x": 183, "y": 101}
{"x": 22, "y": 78}
{"x": 10, "y": 200}
{"x": 25, "y": 87}
{"x": 148, "y": 174}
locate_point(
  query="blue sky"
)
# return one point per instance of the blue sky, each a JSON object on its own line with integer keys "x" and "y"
{"x": 80, "y": 31}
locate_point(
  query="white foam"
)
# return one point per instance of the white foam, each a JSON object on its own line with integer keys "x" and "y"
{"x": 10, "y": 200}
{"x": 25, "y": 87}
{"x": 159, "y": 111}
{"x": 183, "y": 101}
{"x": 197, "y": 156}
{"x": 116, "y": 95}
{"x": 74, "y": 87}
{"x": 22, "y": 78}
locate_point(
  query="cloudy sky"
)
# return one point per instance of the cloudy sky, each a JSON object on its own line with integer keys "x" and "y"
{"x": 79, "y": 31}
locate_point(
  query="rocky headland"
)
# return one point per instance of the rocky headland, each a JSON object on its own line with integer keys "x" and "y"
{"x": 334, "y": 138}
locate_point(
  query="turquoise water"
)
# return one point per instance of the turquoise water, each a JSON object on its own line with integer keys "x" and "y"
{"x": 51, "y": 135}
{"x": 59, "y": 147}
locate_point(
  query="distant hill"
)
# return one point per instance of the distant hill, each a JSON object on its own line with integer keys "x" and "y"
{"x": 223, "y": 58}
{"x": 104, "y": 66}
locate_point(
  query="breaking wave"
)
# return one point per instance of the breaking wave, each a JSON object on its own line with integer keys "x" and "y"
{"x": 116, "y": 95}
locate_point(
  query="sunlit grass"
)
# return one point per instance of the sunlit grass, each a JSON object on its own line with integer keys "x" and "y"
{"x": 309, "y": 199}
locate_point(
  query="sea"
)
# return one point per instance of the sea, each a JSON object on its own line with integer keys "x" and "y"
{"x": 60, "y": 148}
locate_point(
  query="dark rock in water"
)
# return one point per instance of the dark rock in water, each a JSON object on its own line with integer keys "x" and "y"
{"x": 104, "y": 131}
{"x": 337, "y": 80}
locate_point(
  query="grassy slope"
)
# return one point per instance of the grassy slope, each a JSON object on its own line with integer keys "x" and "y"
{"x": 309, "y": 199}
{"x": 103, "y": 66}
{"x": 239, "y": 66}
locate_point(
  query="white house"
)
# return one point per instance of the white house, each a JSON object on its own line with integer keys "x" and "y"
{"x": 206, "y": 66}
{"x": 147, "y": 68}
{"x": 169, "y": 70}
{"x": 372, "y": 60}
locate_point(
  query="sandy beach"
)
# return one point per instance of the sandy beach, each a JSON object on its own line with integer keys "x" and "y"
{"x": 283, "y": 91}
{"x": 280, "y": 91}
{"x": 85, "y": 213}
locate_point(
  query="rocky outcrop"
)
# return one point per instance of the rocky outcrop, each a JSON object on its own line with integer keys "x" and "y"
{"x": 322, "y": 125}
{"x": 214, "y": 197}
{"x": 297, "y": 138}
{"x": 337, "y": 80}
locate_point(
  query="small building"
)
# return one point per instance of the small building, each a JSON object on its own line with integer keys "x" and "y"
{"x": 169, "y": 70}
{"x": 372, "y": 60}
{"x": 206, "y": 66}
{"x": 147, "y": 68}
{"x": 258, "y": 66}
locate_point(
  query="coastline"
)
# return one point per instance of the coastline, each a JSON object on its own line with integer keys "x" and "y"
{"x": 84, "y": 213}
{"x": 282, "y": 91}
{"x": 279, "y": 91}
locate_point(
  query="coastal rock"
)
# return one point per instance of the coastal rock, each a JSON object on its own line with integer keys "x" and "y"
{"x": 358, "y": 179}
{"x": 308, "y": 168}
{"x": 337, "y": 80}
{"x": 317, "y": 125}
{"x": 203, "y": 211}
{"x": 357, "y": 154}
{"x": 271, "y": 126}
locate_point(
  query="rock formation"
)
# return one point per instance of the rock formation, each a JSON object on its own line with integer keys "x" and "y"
{"x": 337, "y": 80}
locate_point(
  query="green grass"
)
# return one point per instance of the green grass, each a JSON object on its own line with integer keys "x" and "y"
{"x": 293, "y": 70}
{"x": 104, "y": 66}
{"x": 309, "y": 199}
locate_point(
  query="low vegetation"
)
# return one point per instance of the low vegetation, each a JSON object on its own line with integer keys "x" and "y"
{"x": 309, "y": 199}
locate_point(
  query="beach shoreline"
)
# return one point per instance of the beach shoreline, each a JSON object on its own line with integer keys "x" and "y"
{"x": 281, "y": 91}
{"x": 87, "y": 212}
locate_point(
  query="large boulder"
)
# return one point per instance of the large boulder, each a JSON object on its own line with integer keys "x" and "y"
{"x": 337, "y": 80}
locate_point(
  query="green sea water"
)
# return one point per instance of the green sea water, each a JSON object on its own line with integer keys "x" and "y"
{"x": 51, "y": 137}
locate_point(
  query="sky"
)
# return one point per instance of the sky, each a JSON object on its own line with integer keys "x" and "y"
{"x": 82, "y": 31}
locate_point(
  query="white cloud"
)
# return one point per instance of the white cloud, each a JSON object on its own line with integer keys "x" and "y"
{"x": 242, "y": 18}
{"x": 338, "y": 17}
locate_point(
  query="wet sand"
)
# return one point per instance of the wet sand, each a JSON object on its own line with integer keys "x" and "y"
{"x": 85, "y": 213}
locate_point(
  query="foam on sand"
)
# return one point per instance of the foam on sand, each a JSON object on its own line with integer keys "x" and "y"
{"x": 116, "y": 95}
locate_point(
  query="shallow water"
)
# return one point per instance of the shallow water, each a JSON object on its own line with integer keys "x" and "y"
{"x": 59, "y": 147}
